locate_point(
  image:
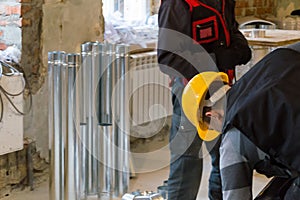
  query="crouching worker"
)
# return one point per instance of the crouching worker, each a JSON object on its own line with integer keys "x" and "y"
{"x": 259, "y": 121}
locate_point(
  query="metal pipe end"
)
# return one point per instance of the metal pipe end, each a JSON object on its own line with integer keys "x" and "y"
{"x": 86, "y": 47}
{"x": 98, "y": 47}
{"x": 56, "y": 57}
{"x": 122, "y": 49}
{"x": 73, "y": 59}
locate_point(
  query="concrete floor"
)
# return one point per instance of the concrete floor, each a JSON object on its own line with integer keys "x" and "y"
{"x": 143, "y": 182}
{"x": 150, "y": 160}
{"x": 146, "y": 181}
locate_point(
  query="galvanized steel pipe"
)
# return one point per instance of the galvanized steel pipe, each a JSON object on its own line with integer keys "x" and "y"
{"x": 72, "y": 184}
{"x": 88, "y": 120}
{"x": 121, "y": 121}
{"x": 56, "y": 60}
{"x": 87, "y": 70}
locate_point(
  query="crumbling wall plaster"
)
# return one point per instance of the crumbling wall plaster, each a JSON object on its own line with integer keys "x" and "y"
{"x": 66, "y": 24}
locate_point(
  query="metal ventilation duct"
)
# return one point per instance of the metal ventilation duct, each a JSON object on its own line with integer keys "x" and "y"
{"x": 254, "y": 22}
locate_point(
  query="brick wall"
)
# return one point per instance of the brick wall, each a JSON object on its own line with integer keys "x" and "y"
{"x": 10, "y": 23}
{"x": 258, "y": 8}
{"x": 20, "y": 22}
{"x": 22, "y": 168}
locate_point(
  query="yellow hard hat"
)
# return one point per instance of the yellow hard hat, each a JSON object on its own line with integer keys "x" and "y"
{"x": 194, "y": 95}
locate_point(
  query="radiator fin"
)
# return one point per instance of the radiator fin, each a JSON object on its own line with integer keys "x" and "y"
{"x": 150, "y": 92}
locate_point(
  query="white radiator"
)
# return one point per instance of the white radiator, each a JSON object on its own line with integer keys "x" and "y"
{"x": 150, "y": 93}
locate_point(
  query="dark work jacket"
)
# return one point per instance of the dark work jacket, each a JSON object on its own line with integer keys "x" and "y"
{"x": 265, "y": 106}
{"x": 180, "y": 16}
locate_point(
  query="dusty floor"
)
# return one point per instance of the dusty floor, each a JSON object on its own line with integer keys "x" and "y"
{"x": 150, "y": 173}
{"x": 144, "y": 182}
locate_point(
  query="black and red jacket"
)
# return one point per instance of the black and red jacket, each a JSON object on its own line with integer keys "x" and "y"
{"x": 213, "y": 27}
{"x": 209, "y": 26}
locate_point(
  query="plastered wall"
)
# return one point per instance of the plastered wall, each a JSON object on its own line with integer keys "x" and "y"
{"x": 285, "y": 7}
{"x": 65, "y": 25}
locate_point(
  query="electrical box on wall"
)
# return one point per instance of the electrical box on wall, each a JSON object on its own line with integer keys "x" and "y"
{"x": 11, "y": 125}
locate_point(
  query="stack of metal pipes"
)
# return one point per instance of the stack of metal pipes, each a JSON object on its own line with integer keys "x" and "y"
{"x": 89, "y": 122}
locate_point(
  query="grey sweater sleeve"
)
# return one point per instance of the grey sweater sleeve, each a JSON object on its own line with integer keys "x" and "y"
{"x": 238, "y": 156}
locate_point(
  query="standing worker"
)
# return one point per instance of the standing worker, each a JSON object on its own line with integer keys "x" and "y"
{"x": 195, "y": 36}
{"x": 259, "y": 118}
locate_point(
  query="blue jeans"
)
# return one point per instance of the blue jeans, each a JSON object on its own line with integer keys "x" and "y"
{"x": 186, "y": 158}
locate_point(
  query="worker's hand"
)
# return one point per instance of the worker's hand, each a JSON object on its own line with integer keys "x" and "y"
{"x": 227, "y": 58}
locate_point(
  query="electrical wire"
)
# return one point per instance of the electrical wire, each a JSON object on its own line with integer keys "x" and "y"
{"x": 11, "y": 72}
